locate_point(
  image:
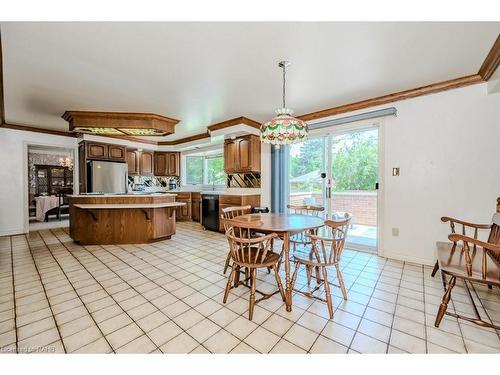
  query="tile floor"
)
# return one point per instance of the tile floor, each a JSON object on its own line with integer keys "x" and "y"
{"x": 166, "y": 297}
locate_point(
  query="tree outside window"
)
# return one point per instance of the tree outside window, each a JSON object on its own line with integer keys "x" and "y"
{"x": 206, "y": 170}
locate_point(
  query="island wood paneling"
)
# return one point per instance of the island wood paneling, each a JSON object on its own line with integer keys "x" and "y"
{"x": 121, "y": 226}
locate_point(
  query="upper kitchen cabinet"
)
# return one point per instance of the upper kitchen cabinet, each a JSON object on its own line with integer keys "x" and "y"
{"x": 166, "y": 164}
{"x": 146, "y": 163}
{"x": 133, "y": 162}
{"x": 140, "y": 163}
{"x": 242, "y": 154}
{"x": 104, "y": 151}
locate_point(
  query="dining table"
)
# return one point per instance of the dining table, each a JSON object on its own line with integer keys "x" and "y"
{"x": 45, "y": 203}
{"x": 284, "y": 225}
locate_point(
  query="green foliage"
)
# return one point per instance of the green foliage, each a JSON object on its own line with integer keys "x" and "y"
{"x": 194, "y": 169}
{"x": 215, "y": 170}
{"x": 355, "y": 164}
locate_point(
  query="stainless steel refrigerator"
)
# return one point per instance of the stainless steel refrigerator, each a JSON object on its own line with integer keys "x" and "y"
{"x": 107, "y": 177}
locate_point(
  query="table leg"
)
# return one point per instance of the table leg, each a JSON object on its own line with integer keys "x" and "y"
{"x": 288, "y": 285}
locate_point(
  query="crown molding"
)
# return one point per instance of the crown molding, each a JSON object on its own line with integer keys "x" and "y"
{"x": 235, "y": 121}
{"x": 38, "y": 130}
{"x": 490, "y": 64}
{"x": 394, "y": 97}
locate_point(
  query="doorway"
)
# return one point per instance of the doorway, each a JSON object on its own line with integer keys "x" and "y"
{"x": 339, "y": 170}
{"x": 50, "y": 181}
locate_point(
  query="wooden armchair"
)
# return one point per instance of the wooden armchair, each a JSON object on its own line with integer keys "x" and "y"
{"x": 229, "y": 213}
{"x": 471, "y": 260}
{"x": 302, "y": 238}
{"x": 251, "y": 254}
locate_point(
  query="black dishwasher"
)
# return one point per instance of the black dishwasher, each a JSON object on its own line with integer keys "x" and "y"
{"x": 210, "y": 211}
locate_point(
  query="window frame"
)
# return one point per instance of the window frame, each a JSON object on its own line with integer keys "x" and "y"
{"x": 204, "y": 169}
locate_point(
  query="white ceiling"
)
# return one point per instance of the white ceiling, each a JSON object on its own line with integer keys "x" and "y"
{"x": 203, "y": 73}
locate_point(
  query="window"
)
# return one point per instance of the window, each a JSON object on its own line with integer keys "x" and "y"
{"x": 194, "y": 170}
{"x": 215, "y": 170}
{"x": 205, "y": 170}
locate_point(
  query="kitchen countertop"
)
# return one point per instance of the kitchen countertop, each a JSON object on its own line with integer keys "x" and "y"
{"x": 126, "y": 205}
{"x": 216, "y": 192}
{"x": 125, "y": 195}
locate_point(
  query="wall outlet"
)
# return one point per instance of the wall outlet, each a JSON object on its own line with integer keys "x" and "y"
{"x": 395, "y": 232}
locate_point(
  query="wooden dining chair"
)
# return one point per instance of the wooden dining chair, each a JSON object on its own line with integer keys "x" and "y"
{"x": 323, "y": 253}
{"x": 472, "y": 260}
{"x": 252, "y": 254}
{"x": 229, "y": 213}
{"x": 471, "y": 230}
{"x": 301, "y": 238}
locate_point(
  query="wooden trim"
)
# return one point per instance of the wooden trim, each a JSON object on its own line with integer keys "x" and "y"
{"x": 490, "y": 64}
{"x": 232, "y": 122}
{"x": 38, "y": 130}
{"x": 68, "y": 115}
{"x": 184, "y": 140}
{"x": 2, "y": 101}
{"x": 122, "y": 122}
{"x": 397, "y": 96}
{"x": 128, "y": 138}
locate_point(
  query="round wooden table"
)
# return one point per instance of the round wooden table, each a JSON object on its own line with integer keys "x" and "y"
{"x": 284, "y": 225}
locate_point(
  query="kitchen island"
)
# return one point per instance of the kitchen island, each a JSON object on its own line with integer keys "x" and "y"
{"x": 122, "y": 218}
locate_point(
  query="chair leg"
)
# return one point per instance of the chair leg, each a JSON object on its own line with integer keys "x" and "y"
{"x": 444, "y": 303}
{"x": 294, "y": 275}
{"x": 327, "y": 293}
{"x": 252, "y": 293}
{"x": 228, "y": 285}
{"x": 318, "y": 275}
{"x": 248, "y": 279}
{"x": 341, "y": 281}
{"x": 278, "y": 281}
{"x": 435, "y": 269}
{"x": 309, "y": 275}
{"x": 236, "y": 275}
{"x": 226, "y": 264}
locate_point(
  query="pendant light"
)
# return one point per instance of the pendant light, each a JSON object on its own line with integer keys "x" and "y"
{"x": 284, "y": 128}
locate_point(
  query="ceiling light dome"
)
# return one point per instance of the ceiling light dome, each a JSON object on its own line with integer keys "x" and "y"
{"x": 284, "y": 128}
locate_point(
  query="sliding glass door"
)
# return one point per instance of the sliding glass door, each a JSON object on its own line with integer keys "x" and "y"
{"x": 339, "y": 171}
{"x": 307, "y": 163}
{"x": 353, "y": 184}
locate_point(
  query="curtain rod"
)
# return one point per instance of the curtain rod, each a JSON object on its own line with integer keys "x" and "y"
{"x": 392, "y": 111}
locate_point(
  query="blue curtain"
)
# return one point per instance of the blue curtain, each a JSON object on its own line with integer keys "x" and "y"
{"x": 279, "y": 178}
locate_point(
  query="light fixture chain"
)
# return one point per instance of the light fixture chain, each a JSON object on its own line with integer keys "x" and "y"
{"x": 284, "y": 85}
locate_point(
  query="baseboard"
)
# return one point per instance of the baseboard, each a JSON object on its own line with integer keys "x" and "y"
{"x": 405, "y": 258}
{"x": 12, "y": 232}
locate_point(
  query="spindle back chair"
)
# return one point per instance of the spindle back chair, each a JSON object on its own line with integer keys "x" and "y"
{"x": 325, "y": 251}
{"x": 252, "y": 254}
{"x": 471, "y": 260}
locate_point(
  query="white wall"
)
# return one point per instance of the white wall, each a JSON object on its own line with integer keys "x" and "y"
{"x": 14, "y": 172}
{"x": 448, "y": 148}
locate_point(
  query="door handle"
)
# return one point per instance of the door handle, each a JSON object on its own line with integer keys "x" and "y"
{"x": 328, "y": 192}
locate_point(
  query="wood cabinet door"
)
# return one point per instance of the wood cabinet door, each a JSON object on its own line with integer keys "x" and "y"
{"x": 173, "y": 164}
{"x": 146, "y": 163}
{"x": 230, "y": 155}
{"x": 183, "y": 213}
{"x": 195, "y": 210}
{"x": 160, "y": 164}
{"x": 117, "y": 152}
{"x": 133, "y": 162}
{"x": 244, "y": 155}
{"x": 97, "y": 151}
